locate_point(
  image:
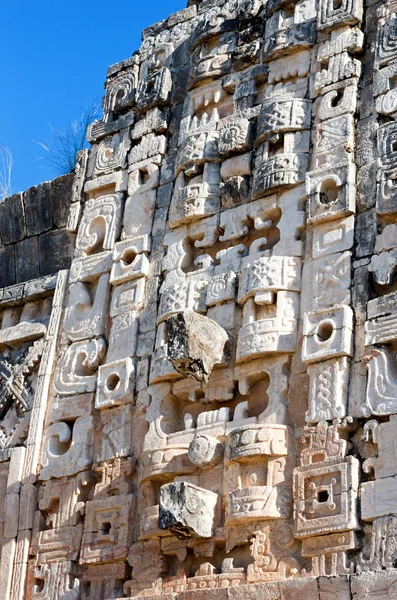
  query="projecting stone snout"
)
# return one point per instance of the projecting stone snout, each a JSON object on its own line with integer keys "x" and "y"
{"x": 195, "y": 344}
{"x": 187, "y": 510}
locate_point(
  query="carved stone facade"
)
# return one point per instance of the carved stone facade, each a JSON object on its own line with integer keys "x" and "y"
{"x": 202, "y": 402}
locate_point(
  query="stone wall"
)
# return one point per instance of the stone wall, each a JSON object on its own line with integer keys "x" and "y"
{"x": 203, "y": 405}
{"x": 33, "y": 237}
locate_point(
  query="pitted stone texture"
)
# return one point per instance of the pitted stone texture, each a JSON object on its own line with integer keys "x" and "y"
{"x": 195, "y": 344}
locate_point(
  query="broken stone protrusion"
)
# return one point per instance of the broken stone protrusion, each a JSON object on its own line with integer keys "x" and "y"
{"x": 187, "y": 510}
{"x": 195, "y": 344}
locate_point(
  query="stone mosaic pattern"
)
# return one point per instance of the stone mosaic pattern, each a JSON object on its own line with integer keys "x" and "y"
{"x": 204, "y": 405}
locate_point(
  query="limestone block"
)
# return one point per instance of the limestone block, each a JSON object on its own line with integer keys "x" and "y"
{"x": 128, "y": 296}
{"x": 130, "y": 260}
{"x": 205, "y": 450}
{"x": 336, "y": 55}
{"x": 114, "y": 439}
{"x": 279, "y": 115}
{"x": 327, "y": 333}
{"x": 88, "y": 268}
{"x": 379, "y": 586}
{"x": 328, "y": 390}
{"x": 259, "y": 502}
{"x": 221, "y": 288}
{"x": 383, "y": 435}
{"x": 378, "y": 498}
{"x": 336, "y": 236}
{"x": 149, "y": 146}
{"x": 379, "y": 550}
{"x": 120, "y": 93}
{"x": 123, "y": 336}
{"x": 197, "y": 198}
{"x": 385, "y": 200}
{"x": 105, "y": 580}
{"x": 110, "y": 154}
{"x": 62, "y": 500}
{"x": 75, "y": 371}
{"x": 154, "y": 89}
{"x": 347, "y": 104}
{"x": 270, "y": 326}
{"x": 330, "y": 17}
{"x": 86, "y": 309}
{"x": 331, "y": 280}
{"x": 138, "y": 214}
{"x": 95, "y": 188}
{"x": 67, "y": 448}
{"x": 56, "y": 580}
{"x": 334, "y": 142}
{"x": 281, "y": 170}
{"x": 325, "y": 497}
{"x": 264, "y": 439}
{"x": 63, "y": 543}
{"x": 107, "y": 529}
{"x": 235, "y": 135}
{"x": 116, "y": 383}
{"x": 267, "y": 275}
{"x": 195, "y": 344}
{"x": 381, "y": 325}
{"x": 155, "y": 119}
{"x": 100, "y": 224}
{"x": 187, "y": 510}
{"x": 331, "y": 193}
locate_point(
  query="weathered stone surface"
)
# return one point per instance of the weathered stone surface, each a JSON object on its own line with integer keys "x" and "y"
{"x": 233, "y": 232}
{"x": 195, "y": 344}
{"x": 187, "y": 510}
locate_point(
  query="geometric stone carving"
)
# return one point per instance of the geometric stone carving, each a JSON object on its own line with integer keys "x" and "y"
{"x": 384, "y": 436}
{"x": 328, "y": 390}
{"x": 55, "y": 581}
{"x": 111, "y": 153}
{"x": 270, "y": 549}
{"x": 325, "y": 497}
{"x": 326, "y": 483}
{"x": 130, "y": 260}
{"x": 265, "y": 439}
{"x": 154, "y": 90}
{"x": 205, "y": 450}
{"x": 269, "y": 326}
{"x": 67, "y": 448}
{"x": 259, "y": 502}
{"x": 261, "y": 276}
{"x": 331, "y": 280}
{"x": 381, "y": 326}
{"x": 335, "y": 56}
{"x": 283, "y": 114}
{"x": 100, "y": 224}
{"x": 331, "y": 193}
{"x": 128, "y": 296}
{"x": 331, "y": 15}
{"x": 195, "y": 344}
{"x": 107, "y": 529}
{"x": 187, "y": 510}
{"x": 120, "y": 93}
{"x": 378, "y": 498}
{"x": 115, "y": 436}
{"x": 327, "y": 334}
{"x": 197, "y": 198}
{"x": 386, "y": 197}
{"x": 86, "y": 312}
{"x": 115, "y": 383}
{"x": 75, "y": 371}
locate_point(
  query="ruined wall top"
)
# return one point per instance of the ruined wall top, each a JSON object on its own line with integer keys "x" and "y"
{"x": 203, "y": 405}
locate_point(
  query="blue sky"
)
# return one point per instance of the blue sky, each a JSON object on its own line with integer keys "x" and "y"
{"x": 54, "y": 58}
